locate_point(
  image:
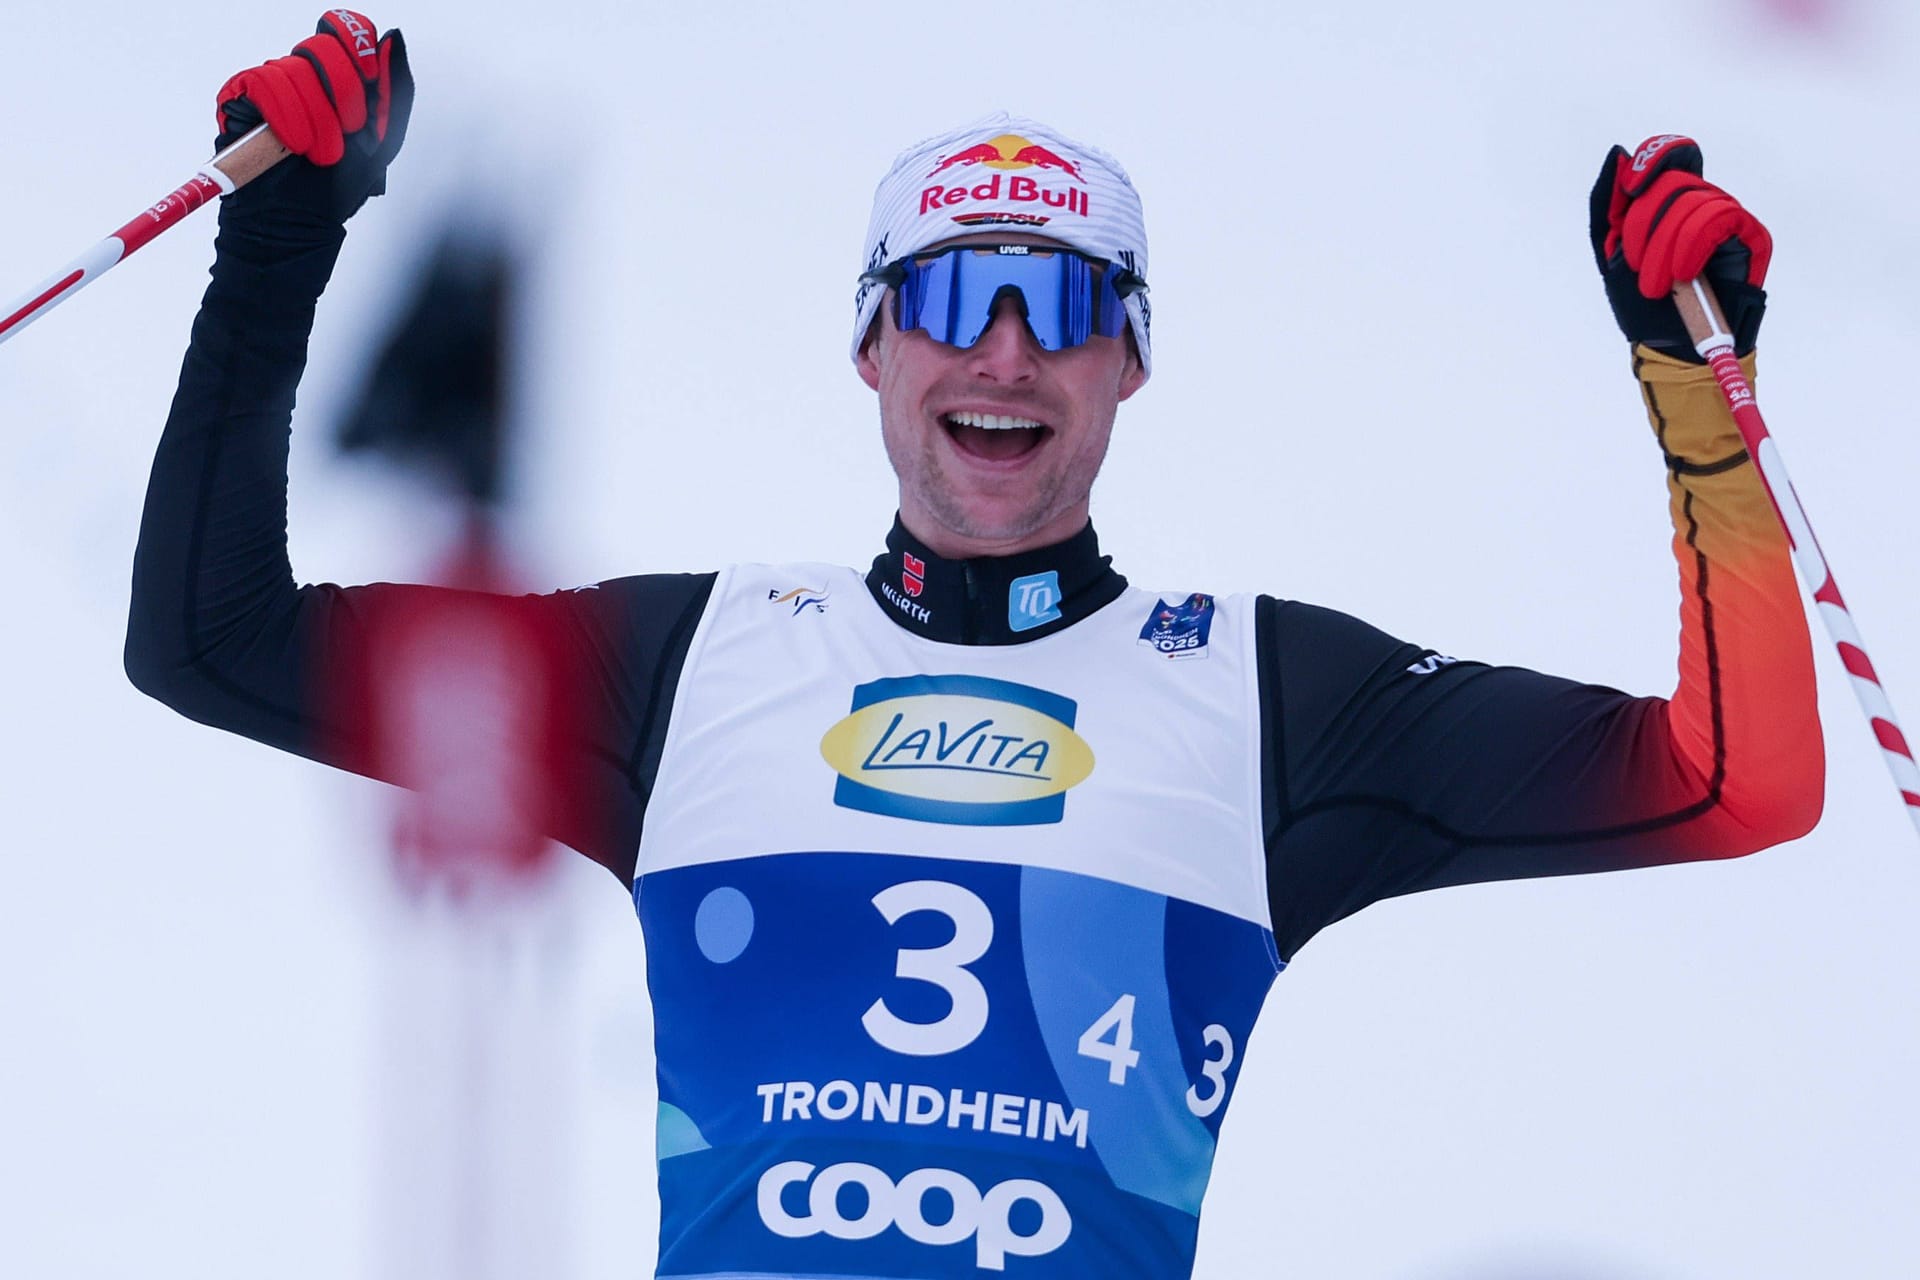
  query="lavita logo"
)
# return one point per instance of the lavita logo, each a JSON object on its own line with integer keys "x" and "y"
{"x": 958, "y": 749}
{"x": 985, "y": 1217}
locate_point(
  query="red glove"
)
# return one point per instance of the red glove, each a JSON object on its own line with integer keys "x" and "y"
{"x": 1669, "y": 220}
{"x": 333, "y": 84}
{"x": 1655, "y": 222}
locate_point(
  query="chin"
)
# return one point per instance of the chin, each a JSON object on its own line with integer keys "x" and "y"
{"x": 987, "y": 521}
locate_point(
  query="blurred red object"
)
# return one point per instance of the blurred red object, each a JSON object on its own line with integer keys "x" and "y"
{"x": 1805, "y": 15}
{"x": 467, "y": 706}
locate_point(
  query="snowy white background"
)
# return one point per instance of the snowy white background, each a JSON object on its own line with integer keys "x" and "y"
{"x": 1386, "y": 381}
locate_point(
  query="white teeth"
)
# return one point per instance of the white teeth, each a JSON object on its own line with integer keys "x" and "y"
{"x": 991, "y": 421}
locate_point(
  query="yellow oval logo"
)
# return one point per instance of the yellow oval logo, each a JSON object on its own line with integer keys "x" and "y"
{"x": 959, "y": 754}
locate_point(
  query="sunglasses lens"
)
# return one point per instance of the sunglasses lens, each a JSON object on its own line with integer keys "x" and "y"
{"x": 953, "y": 295}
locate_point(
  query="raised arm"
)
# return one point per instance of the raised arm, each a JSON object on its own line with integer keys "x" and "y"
{"x": 1392, "y": 769}
{"x": 218, "y": 629}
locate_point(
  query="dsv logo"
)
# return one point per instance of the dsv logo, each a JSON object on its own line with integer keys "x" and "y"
{"x": 987, "y": 1218}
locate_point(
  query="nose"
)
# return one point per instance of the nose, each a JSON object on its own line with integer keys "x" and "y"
{"x": 1007, "y": 352}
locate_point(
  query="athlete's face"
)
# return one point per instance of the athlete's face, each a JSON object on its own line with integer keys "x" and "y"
{"x": 972, "y": 490}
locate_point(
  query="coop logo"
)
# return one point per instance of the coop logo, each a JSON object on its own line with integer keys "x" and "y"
{"x": 961, "y": 750}
{"x": 1006, "y": 155}
{"x": 986, "y": 1217}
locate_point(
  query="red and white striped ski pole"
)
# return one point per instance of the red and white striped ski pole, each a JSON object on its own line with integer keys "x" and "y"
{"x": 226, "y": 173}
{"x": 1707, "y": 326}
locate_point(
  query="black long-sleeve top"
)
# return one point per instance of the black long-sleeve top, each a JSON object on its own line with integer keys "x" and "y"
{"x": 1387, "y": 768}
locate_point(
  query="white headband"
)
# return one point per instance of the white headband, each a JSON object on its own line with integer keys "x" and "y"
{"x": 1014, "y": 173}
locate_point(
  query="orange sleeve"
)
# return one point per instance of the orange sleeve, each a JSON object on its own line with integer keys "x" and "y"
{"x": 1743, "y": 720}
{"x": 1392, "y": 769}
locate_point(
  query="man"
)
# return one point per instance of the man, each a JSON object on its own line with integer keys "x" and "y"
{"x": 963, "y": 879}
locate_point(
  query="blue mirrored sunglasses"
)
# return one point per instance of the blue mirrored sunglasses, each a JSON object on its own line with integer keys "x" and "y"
{"x": 1068, "y": 297}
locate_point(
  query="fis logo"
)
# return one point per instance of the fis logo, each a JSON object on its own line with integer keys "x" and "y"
{"x": 956, "y": 749}
{"x": 1182, "y": 630}
{"x": 986, "y": 1217}
{"x": 1006, "y": 155}
{"x": 801, "y": 598}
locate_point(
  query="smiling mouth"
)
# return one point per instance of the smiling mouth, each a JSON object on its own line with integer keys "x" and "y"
{"x": 994, "y": 437}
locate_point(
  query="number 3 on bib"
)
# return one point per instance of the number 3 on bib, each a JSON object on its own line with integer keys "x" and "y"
{"x": 943, "y": 966}
{"x": 1214, "y": 1072}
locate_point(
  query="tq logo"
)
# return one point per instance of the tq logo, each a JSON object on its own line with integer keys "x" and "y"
{"x": 984, "y": 1217}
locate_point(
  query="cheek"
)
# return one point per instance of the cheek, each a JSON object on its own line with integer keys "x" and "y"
{"x": 896, "y": 369}
{"x": 1096, "y": 387}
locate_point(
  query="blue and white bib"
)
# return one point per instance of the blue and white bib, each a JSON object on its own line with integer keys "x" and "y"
{"x": 954, "y": 950}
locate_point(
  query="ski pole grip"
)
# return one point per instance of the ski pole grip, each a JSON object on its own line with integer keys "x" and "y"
{"x": 256, "y": 152}
{"x": 1700, "y": 312}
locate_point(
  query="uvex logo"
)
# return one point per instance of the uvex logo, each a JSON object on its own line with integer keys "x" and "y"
{"x": 985, "y": 1217}
{"x": 957, "y": 749}
{"x": 358, "y": 30}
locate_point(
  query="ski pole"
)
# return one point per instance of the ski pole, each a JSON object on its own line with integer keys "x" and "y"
{"x": 236, "y": 166}
{"x": 1707, "y": 326}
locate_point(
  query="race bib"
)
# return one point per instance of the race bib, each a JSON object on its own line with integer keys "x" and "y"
{"x": 875, "y": 1065}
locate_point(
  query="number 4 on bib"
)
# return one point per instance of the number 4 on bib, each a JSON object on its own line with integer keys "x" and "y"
{"x": 1118, "y": 1053}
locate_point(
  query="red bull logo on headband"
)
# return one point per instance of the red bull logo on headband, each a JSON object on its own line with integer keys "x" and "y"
{"x": 1006, "y": 154}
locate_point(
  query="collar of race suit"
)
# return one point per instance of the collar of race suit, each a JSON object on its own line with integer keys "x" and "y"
{"x": 992, "y": 600}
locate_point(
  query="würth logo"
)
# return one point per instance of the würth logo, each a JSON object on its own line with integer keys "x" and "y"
{"x": 913, "y": 573}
